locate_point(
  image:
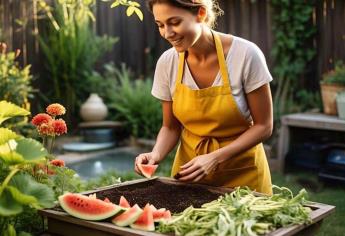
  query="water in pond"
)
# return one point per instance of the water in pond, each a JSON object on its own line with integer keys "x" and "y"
{"x": 94, "y": 167}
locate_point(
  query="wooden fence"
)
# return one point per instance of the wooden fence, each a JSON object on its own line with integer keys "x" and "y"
{"x": 140, "y": 44}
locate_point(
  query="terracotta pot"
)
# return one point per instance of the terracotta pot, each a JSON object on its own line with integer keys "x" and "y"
{"x": 93, "y": 109}
{"x": 329, "y": 93}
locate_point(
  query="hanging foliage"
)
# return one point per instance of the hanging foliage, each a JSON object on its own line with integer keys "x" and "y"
{"x": 293, "y": 50}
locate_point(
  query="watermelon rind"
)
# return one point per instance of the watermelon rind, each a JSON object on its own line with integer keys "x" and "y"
{"x": 74, "y": 204}
{"x": 128, "y": 217}
{"x": 144, "y": 172}
{"x": 145, "y": 221}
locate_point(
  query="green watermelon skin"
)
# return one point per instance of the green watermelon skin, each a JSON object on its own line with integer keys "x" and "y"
{"x": 128, "y": 217}
{"x": 145, "y": 221}
{"x": 88, "y": 208}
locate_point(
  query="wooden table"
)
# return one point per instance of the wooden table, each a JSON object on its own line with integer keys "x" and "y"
{"x": 304, "y": 120}
{"x": 60, "y": 223}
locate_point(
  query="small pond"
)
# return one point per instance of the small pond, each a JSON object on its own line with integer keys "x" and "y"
{"x": 120, "y": 161}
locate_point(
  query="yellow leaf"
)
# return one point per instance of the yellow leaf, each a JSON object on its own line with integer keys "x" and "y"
{"x": 134, "y": 4}
{"x": 115, "y": 4}
{"x": 130, "y": 11}
{"x": 139, "y": 14}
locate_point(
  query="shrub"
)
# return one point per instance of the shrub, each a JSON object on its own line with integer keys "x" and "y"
{"x": 71, "y": 48}
{"x": 336, "y": 76}
{"x": 134, "y": 104}
{"x": 15, "y": 82}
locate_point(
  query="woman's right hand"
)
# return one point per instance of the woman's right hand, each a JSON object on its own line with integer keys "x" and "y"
{"x": 146, "y": 158}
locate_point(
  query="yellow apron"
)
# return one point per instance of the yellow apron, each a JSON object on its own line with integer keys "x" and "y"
{"x": 211, "y": 120}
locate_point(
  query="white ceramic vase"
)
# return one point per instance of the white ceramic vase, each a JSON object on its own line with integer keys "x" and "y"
{"x": 93, "y": 109}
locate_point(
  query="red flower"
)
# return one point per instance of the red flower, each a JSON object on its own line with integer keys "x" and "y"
{"x": 40, "y": 119}
{"x": 56, "y": 109}
{"x": 58, "y": 163}
{"x": 59, "y": 126}
{"x": 46, "y": 129}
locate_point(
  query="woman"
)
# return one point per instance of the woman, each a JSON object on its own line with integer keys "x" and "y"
{"x": 216, "y": 100}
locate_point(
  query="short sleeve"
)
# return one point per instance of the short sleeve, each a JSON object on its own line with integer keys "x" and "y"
{"x": 160, "y": 87}
{"x": 256, "y": 72}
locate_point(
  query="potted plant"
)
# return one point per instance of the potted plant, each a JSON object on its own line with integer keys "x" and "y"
{"x": 333, "y": 83}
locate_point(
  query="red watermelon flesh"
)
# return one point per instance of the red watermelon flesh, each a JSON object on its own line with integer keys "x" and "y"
{"x": 167, "y": 215}
{"x": 147, "y": 170}
{"x": 106, "y": 200}
{"x": 158, "y": 214}
{"x": 87, "y": 208}
{"x": 124, "y": 203}
{"x": 145, "y": 221}
{"x": 128, "y": 217}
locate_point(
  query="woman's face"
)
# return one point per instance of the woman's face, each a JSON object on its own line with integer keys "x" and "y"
{"x": 179, "y": 26}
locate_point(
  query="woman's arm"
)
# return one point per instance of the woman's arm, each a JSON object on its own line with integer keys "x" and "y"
{"x": 167, "y": 138}
{"x": 170, "y": 132}
{"x": 260, "y": 105}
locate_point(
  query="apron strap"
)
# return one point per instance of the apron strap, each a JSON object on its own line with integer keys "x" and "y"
{"x": 221, "y": 60}
{"x": 180, "y": 69}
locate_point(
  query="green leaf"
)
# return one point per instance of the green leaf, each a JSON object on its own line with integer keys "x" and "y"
{"x": 20, "y": 197}
{"x": 6, "y": 135}
{"x": 10, "y": 231}
{"x": 31, "y": 150}
{"x": 130, "y": 10}
{"x": 9, "y": 206}
{"x": 26, "y": 185}
{"x": 139, "y": 13}
{"x": 115, "y": 4}
{"x": 12, "y": 158}
{"x": 9, "y": 110}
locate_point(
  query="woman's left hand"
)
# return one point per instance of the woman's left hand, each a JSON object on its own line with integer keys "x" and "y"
{"x": 198, "y": 168}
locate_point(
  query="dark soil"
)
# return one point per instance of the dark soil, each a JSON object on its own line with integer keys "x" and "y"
{"x": 175, "y": 198}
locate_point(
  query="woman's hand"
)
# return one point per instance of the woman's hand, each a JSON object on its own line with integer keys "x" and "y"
{"x": 146, "y": 158}
{"x": 198, "y": 168}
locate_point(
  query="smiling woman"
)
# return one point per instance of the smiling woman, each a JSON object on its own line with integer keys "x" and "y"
{"x": 216, "y": 100}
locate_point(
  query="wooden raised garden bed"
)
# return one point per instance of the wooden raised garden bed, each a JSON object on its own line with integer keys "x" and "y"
{"x": 161, "y": 192}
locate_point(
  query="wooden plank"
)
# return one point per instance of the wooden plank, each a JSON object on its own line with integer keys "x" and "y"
{"x": 314, "y": 121}
{"x": 62, "y": 220}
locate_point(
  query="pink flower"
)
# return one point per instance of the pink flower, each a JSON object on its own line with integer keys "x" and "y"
{"x": 59, "y": 127}
{"x": 58, "y": 163}
{"x": 56, "y": 109}
{"x": 40, "y": 119}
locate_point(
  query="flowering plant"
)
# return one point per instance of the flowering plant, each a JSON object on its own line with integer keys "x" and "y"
{"x": 48, "y": 126}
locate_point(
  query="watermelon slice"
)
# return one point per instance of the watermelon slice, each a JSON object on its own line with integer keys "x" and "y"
{"x": 107, "y": 200}
{"x": 88, "y": 208}
{"x": 145, "y": 221}
{"x": 159, "y": 214}
{"x": 153, "y": 208}
{"x": 124, "y": 203}
{"x": 128, "y": 217}
{"x": 147, "y": 170}
{"x": 167, "y": 215}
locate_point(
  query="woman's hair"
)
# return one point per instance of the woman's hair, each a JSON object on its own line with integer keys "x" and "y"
{"x": 212, "y": 7}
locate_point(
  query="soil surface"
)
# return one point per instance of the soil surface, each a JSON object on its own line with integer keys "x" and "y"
{"x": 175, "y": 198}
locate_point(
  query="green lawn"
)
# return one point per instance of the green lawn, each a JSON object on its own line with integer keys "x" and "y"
{"x": 318, "y": 192}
